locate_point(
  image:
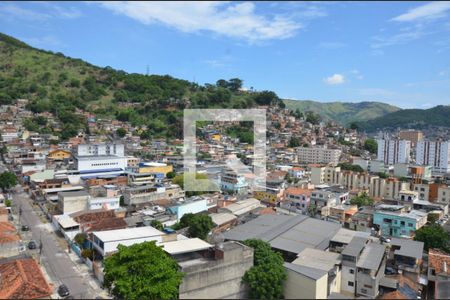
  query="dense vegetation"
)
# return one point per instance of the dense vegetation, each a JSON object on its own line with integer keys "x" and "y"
{"x": 410, "y": 118}
{"x": 142, "y": 271}
{"x": 342, "y": 112}
{"x": 66, "y": 86}
{"x": 433, "y": 236}
{"x": 267, "y": 275}
{"x": 350, "y": 167}
{"x": 362, "y": 200}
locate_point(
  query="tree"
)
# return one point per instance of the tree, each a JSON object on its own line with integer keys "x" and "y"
{"x": 171, "y": 174}
{"x": 8, "y": 203}
{"x": 122, "y": 201}
{"x": 200, "y": 226}
{"x": 382, "y": 175}
{"x": 350, "y": 167}
{"x": 142, "y": 271}
{"x": 354, "y": 126}
{"x": 433, "y": 236}
{"x": 371, "y": 146}
{"x": 313, "y": 118}
{"x": 80, "y": 238}
{"x": 234, "y": 84}
{"x": 294, "y": 142}
{"x": 121, "y": 132}
{"x": 7, "y": 180}
{"x": 267, "y": 275}
{"x": 87, "y": 253}
{"x": 362, "y": 200}
{"x": 157, "y": 224}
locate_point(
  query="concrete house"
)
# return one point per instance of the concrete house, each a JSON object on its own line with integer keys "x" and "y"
{"x": 69, "y": 202}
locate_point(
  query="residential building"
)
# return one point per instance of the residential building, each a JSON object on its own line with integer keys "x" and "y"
{"x": 59, "y": 154}
{"x": 394, "y": 221}
{"x": 314, "y": 274}
{"x": 106, "y": 242}
{"x": 444, "y": 194}
{"x": 146, "y": 194}
{"x": 407, "y": 256}
{"x": 69, "y": 202}
{"x": 324, "y": 197}
{"x": 393, "y": 151}
{"x": 411, "y": 135}
{"x": 193, "y": 205}
{"x": 435, "y": 154}
{"x": 298, "y": 197}
{"x": 232, "y": 182}
{"x": 241, "y": 208}
{"x": 213, "y": 272}
{"x": 22, "y": 278}
{"x": 315, "y": 155}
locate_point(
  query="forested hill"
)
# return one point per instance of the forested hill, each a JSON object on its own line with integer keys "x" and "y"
{"x": 59, "y": 84}
{"x": 410, "y": 118}
{"x": 343, "y": 112}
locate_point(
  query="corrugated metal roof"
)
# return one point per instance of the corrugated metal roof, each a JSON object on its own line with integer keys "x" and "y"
{"x": 312, "y": 273}
{"x": 408, "y": 248}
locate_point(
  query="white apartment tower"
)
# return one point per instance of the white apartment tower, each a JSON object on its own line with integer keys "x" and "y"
{"x": 435, "y": 154}
{"x": 393, "y": 151}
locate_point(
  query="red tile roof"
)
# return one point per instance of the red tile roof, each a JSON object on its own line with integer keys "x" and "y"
{"x": 8, "y": 233}
{"x": 298, "y": 191}
{"x": 436, "y": 260}
{"x": 23, "y": 279}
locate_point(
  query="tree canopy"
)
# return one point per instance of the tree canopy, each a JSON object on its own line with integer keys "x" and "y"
{"x": 294, "y": 142}
{"x": 362, "y": 200}
{"x": 198, "y": 225}
{"x": 267, "y": 275}
{"x": 7, "y": 180}
{"x": 433, "y": 236}
{"x": 350, "y": 167}
{"x": 142, "y": 271}
{"x": 371, "y": 146}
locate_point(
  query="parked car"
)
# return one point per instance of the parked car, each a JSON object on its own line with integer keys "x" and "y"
{"x": 25, "y": 228}
{"x": 63, "y": 290}
{"x": 32, "y": 245}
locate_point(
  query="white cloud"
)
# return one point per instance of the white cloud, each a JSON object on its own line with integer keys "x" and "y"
{"x": 238, "y": 20}
{"x": 335, "y": 79}
{"x": 405, "y": 36}
{"x": 433, "y": 10}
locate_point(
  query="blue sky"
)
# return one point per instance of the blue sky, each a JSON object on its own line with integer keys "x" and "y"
{"x": 395, "y": 52}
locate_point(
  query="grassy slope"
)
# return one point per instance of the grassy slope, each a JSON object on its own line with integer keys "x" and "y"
{"x": 343, "y": 112}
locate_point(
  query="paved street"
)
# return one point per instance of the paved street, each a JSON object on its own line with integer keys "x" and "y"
{"x": 56, "y": 261}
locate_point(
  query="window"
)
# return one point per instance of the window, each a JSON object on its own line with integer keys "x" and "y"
{"x": 402, "y": 223}
{"x": 352, "y": 271}
{"x": 368, "y": 286}
{"x": 350, "y": 283}
{"x": 363, "y": 291}
{"x": 410, "y": 224}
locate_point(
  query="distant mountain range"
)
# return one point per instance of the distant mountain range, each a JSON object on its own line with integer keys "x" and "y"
{"x": 344, "y": 112}
{"x": 409, "y": 118}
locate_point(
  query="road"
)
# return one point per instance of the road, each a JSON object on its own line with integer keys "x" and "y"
{"x": 60, "y": 268}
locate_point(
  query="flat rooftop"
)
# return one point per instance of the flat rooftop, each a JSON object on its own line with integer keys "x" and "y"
{"x": 345, "y": 236}
{"x": 185, "y": 246}
{"x": 127, "y": 233}
{"x": 371, "y": 256}
{"x": 408, "y": 247}
{"x": 318, "y": 259}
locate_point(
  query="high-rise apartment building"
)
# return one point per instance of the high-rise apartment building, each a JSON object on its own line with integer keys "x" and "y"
{"x": 435, "y": 154}
{"x": 393, "y": 151}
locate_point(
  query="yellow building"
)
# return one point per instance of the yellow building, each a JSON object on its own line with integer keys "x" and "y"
{"x": 216, "y": 137}
{"x": 59, "y": 154}
{"x": 155, "y": 168}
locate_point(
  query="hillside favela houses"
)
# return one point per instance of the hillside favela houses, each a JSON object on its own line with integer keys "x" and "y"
{"x": 94, "y": 202}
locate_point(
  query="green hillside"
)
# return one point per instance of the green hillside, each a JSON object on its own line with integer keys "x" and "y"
{"x": 59, "y": 84}
{"x": 410, "y": 118}
{"x": 343, "y": 112}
